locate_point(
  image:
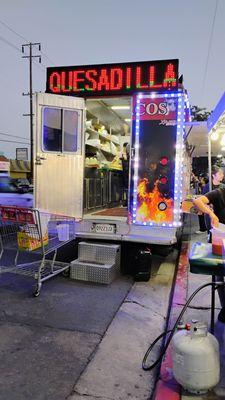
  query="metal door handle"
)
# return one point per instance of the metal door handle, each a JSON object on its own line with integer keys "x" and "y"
{"x": 40, "y": 157}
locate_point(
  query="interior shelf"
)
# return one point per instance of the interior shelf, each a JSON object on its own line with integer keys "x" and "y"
{"x": 103, "y": 136}
{"x": 100, "y": 148}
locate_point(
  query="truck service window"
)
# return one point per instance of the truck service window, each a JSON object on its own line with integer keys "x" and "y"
{"x": 52, "y": 131}
{"x": 70, "y": 128}
{"x": 60, "y": 130}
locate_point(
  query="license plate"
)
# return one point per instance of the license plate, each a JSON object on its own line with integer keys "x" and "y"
{"x": 103, "y": 228}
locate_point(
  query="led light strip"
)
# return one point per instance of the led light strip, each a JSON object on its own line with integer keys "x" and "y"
{"x": 178, "y": 179}
{"x": 136, "y": 156}
{"x": 187, "y": 106}
{"x": 182, "y": 99}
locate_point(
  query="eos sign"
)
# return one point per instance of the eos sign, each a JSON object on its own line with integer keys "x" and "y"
{"x": 158, "y": 109}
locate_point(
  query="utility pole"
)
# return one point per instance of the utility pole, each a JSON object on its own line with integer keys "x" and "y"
{"x": 30, "y": 94}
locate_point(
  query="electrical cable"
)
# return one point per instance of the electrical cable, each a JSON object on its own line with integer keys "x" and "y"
{"x": 146, "y": 367}
{"x": 12, "y": 30}
{"x": 42, "y": 66}
{"x": 16, "y": 136}
{"x": 9, "y": 43}
{"x": 14, "y": 141}
{"x": 49, "y": 59}
{"x": 22, "y": 37}
{"x": 209, "y": 48}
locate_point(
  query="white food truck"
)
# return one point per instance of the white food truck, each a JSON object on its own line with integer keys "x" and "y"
{"x": 109, "y": 151}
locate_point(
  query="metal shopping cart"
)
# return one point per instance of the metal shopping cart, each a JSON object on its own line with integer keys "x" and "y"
{"x": 27, "y": 232}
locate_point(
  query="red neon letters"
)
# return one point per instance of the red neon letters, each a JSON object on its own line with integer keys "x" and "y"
{"x": 111, "y": 79}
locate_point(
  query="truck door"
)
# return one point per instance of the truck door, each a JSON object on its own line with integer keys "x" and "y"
{"x": 59, "y": 154}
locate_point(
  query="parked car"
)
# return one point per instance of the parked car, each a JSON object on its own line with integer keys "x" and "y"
{"x": 22, "y": 184}
{"x": 7, "y": 185}
{"x": 31, "y": 188}
{"x": 13, "y": 195}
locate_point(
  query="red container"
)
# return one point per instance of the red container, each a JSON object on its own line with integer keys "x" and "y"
{"x": 218, "y": 236}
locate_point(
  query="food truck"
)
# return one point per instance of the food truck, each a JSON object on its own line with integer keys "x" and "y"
{"x": 89, "y": 121}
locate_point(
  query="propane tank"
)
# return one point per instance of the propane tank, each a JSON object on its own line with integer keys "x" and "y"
{"x": 195, "y": 355}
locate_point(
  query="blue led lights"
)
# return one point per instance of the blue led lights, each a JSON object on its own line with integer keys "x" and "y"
{"x": 182, "y": 104}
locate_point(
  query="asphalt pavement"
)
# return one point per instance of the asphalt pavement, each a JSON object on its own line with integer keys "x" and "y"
{"x": 81, "y": 340}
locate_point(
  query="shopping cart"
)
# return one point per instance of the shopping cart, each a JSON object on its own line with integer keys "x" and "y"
{"x": 27, "y": 232}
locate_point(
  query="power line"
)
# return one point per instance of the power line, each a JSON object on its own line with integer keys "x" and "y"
{"x": 12, "y": 30}
{"x": 22, "y": 37}
{"x": 209, "y": 48}
{"x": 9, "y": 43}
{"x": 16, "y": 136}
{"x": 52, "y": 62}
{"x": 42, "y": 66}
{"x": 13, "y": 141}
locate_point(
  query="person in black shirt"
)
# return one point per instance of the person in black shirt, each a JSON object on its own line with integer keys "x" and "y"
{"x": 217, "y": 177}
{"x": 213, "y": 204}
{"x": 216, "y": 198}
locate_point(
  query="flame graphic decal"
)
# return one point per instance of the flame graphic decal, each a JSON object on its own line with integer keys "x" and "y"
{"x": 148, "y": 202}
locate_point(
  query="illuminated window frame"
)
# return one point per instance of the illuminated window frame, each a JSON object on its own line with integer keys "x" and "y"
{"x": 178, "y": 178}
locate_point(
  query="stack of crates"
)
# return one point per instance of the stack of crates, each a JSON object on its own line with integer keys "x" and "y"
{"x": 96, "y": 262}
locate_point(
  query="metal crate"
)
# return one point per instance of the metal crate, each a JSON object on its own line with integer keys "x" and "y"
{"x": 99, "y": 253}
{"x": 99, "y": 273}
{"x": 96, "y": 263}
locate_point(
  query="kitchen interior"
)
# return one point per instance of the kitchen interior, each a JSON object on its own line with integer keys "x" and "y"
{"x": 108, "y": 128}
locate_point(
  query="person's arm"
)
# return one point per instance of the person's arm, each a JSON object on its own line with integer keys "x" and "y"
{"x": 202, "y": 204}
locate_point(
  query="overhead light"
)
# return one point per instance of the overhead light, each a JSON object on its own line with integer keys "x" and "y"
{"x": 120, "y": 107}
{"x": 127, "y": 119}
{"x": 215, "y": 135}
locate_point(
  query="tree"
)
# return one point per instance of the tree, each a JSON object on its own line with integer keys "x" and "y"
{"x": 199, "y": 114}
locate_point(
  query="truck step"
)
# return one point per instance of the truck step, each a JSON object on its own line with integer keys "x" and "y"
{"x": 99, "y": 253}
{"x": 102, "y": 273}
{"x": 96, "y": 262}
